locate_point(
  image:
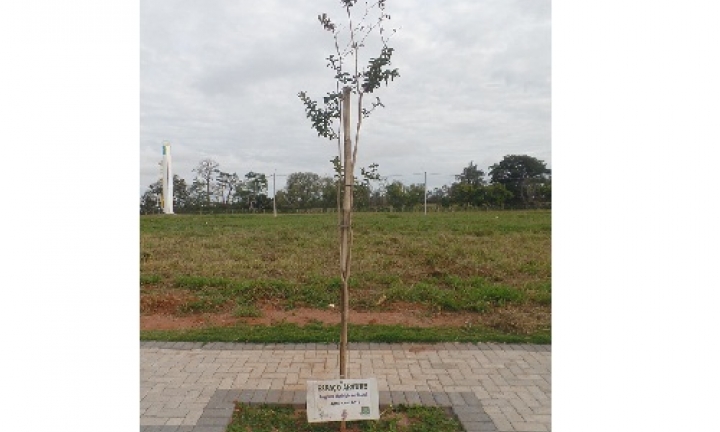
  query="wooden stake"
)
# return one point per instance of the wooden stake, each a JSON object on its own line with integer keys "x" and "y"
{"x": 346, "y": 235}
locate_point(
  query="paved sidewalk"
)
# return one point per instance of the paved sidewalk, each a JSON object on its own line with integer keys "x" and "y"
{"x": 191, "y": 387}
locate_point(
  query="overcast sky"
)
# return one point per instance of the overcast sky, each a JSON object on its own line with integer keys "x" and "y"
{"x": 219, "y": 79}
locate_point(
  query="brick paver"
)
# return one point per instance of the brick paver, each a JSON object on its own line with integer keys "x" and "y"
{"x": 191, "y": 387}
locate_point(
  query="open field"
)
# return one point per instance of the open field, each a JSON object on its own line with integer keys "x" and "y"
{"x": 486, "y": 272}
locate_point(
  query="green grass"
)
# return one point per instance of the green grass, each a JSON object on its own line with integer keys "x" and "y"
{"x": 505, "y": 247}
{"x": 275, "y": 418}
{"x": 443, "y": 294}
{"x": 320, "y": 333}
{"x": 477, "y": 262}
{"x": 258, "y": 253}
{"x": 218, "y": 291}
{"x": 456, "y": 294}
{"x": 150, "y": 279}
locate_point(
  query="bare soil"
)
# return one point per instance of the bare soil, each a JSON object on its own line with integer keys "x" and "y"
{"x": 159, "y": 312}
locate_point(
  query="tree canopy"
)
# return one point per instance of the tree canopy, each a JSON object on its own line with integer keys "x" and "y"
{"x": 517, "y": 181}
{"x": 521, "y": 175}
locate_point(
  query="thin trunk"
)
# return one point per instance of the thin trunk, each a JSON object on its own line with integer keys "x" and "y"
{"x": 346, "y": 230}
{"x": 346, "y": 235}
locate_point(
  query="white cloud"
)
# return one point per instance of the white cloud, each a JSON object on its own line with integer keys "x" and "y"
{"x": 220, "y": 79}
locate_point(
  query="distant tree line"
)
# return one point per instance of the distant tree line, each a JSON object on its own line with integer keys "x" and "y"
{"x": 517, "y": 181}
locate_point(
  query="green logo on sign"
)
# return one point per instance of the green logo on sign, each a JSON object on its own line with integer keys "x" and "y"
{"x": 365, "y": 410}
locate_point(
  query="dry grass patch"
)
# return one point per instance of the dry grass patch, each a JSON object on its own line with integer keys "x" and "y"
{"x": 493, "y": 264}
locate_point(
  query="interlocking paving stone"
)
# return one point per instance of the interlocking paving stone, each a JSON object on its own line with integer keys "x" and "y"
{"x": 214, "y": 421}
{"x": 206, "y": 428}
{"x": 259, "y": 397}
{"x": 426, "y": 398}
{"x": 441, "y": 399}
{"x": 155, "y": 428}
{"x": 273, "y": 396}
{"x": 246, "y": 396}
{"x": 413, "y": 398}
{"x": 192, "y": 387}
{"x": 299, "y": 398}
{"x": 473, "y": 426}
{"x": 398, "y": 397}
{"x": 384, "y": 398}
{"x": 456, "y": 399}
{"x": 217, "y": 412}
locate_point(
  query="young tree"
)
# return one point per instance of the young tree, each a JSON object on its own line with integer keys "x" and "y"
{"x": 350, "y": 78}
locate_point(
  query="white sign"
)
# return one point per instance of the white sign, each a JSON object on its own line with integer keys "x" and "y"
{"x": 344, "y": 399}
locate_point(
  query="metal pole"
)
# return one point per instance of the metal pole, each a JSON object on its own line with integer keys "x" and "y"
{"x": 274, "y": 198}
{"x": 425, "y": 193}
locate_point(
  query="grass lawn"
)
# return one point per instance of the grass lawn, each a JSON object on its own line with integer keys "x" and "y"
{"x": 491, "y": 268}
{"x": 270, "y": 418}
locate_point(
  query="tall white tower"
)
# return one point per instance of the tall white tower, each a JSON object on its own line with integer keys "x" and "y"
{"x": 167, "y": 180}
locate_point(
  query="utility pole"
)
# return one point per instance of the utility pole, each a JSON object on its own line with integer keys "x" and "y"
{"x": 275, "y": 174}
{"x": 425, "y": 174}
{"x": 425, "y": 192}
{"x": 274, "y": 196}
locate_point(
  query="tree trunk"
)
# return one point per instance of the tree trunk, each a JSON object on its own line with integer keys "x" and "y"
{"x": 345, "y": 235}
